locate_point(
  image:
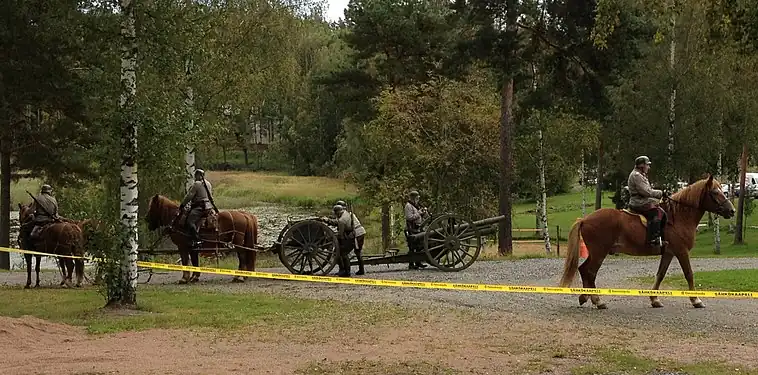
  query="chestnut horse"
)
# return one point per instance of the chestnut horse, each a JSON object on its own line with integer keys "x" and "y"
{"x": 610, "y": 229}
{"x": 62, "y": 238}
{"x": 233, "y": 228}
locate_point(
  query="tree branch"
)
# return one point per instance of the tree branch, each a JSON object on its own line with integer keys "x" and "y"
{"x": 571, "y": 56}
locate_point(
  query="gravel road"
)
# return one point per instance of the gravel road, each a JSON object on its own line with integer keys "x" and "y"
{"x": 731, "y": 317}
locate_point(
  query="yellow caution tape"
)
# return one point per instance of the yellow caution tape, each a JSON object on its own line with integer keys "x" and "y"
{"x": 432, "y": 285}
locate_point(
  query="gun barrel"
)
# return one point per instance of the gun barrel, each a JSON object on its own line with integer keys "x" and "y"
{"x": 484, "y": 227}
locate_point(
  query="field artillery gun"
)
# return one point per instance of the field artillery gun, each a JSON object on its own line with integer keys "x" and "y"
{"x": 450, "y": 243}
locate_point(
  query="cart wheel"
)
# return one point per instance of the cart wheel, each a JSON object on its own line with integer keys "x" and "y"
{"x": 309, "y": 247}
{"x": 452, "y": 243}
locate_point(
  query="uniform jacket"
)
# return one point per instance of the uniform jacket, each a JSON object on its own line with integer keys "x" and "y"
{"x": 49, "y": 205}
{"x": 642, "y": 194}
{"x": 413, "y": 218}
{"x": 198, "y": 196}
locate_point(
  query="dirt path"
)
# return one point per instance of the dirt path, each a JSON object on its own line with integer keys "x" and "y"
{"x": 472, "y": 332}
{"x": 443, "y": 342}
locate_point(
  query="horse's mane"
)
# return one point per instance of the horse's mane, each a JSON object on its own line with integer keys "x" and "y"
{"x": 690, "y": 196}
{"x": 162, "y": 207}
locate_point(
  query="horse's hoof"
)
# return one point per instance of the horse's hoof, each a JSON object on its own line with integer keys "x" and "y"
{"x": 183, "y": 281}
{"x": 236, "y": 280}
{"x": 583, "y": 299}
{"x": 78, "y": 285}
{"x": 602, "y": 306}
{"x": 194, "y": 280}
{"x": 657, "y": 304}
{"x": 699, "y": 305}
{"x": 28, "y": 286}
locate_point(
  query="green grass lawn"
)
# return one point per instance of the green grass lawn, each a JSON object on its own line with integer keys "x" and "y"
{"x": 245, "y": 189}
{"x": 169, "y": 306}
{"x": 19, "y": 188}
{"x": 621, "y": 361}
{"x": 744, "y": 280}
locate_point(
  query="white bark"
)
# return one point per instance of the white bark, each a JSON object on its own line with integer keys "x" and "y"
{"x": 716, "y": 226}
{"x": 129, "y": 186}
{"x": 189, "y": 106}
{"x": 543, "y": 195}
{"x": 672, "y": 98}
{"x": 583, "y": 182}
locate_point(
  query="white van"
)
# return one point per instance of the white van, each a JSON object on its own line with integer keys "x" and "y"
{"x": 751, "y": 184}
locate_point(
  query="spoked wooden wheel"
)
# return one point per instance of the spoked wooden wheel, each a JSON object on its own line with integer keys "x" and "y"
{"x": 309, "y": 247}
{"x": 452, "y": 243}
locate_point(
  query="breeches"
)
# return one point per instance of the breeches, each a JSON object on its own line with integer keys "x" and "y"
{"x": 193, "y": 217}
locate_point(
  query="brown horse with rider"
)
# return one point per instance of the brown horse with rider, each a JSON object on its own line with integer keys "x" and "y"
{"x": 610, "y": 230}
{"x": 228, "y": 229}
{"x": 42, "y": 230}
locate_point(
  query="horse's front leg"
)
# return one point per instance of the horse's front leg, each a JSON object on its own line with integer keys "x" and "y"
{"x": 684, "y": 261}
{"x": 28, "y": 258}
{"x": 36, "y": 268}
{"x": 662, "y": 269}
{"x": 242, "y": 257}
{"x": 195, "y": 256}
{"x": 62, "y": 267}
{"x": 69, "y": 271}
{"x": 184, "y": 254}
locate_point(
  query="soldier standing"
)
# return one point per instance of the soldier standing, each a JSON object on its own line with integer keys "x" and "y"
{"x": 414, "y": 217}
{"x": 350, "y": 236}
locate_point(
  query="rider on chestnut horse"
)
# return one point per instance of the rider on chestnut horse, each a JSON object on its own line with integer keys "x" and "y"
{"x": 45, "y": 211}
{"x": 200, "y": 199}
{"x": 645, "y": 200}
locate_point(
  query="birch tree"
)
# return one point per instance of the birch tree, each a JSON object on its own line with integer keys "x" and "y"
{"x": 129, "y": 186}
{"x": 189, "y": 107}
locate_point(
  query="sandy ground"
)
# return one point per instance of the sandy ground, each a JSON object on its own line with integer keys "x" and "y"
{"x": 490, "y": 344}
{"x": 472, "y": 332}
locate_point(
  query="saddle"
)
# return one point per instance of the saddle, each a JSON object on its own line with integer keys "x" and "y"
{"x": 208, "y": 221}
{"x": 643, "y": 219}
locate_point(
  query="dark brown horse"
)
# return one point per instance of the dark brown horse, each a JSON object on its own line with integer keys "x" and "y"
{"x": 619, "y": 230}
{"x": 62, "y": 238}
{"x": 234, "y": 228}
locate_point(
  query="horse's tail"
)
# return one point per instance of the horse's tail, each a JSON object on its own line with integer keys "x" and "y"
{"x": 572, "y": 257}
{"x": 77, "y": 249}
{"x": 251, "y": 239}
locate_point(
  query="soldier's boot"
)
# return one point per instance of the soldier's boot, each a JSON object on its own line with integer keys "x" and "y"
{"x": 359, "y": 255}
{"x": 344, "y": 266}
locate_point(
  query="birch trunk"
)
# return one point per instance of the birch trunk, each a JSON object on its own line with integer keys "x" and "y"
{"x": 716, "y": 226}
{"x": 543, "y": 195}
{"x": 583, "y": 184}
{"x": 738, "y": 240}
{"x": 129, "y": 186}
{"x": 672, "y": 97}
{"x": 189, "y": 106}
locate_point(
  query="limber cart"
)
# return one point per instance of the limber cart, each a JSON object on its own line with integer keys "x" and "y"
{"x": 450, "y": 243}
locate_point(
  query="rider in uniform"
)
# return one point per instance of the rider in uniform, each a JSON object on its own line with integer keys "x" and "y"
{"x": 414, "y": 217}
{"x": 645, "y": 200}
{"x": 45, "y": 210}
{"x": 199, "y": 199}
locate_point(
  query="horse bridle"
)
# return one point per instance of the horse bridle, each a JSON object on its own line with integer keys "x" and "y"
{"x": 710, "y": 192}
